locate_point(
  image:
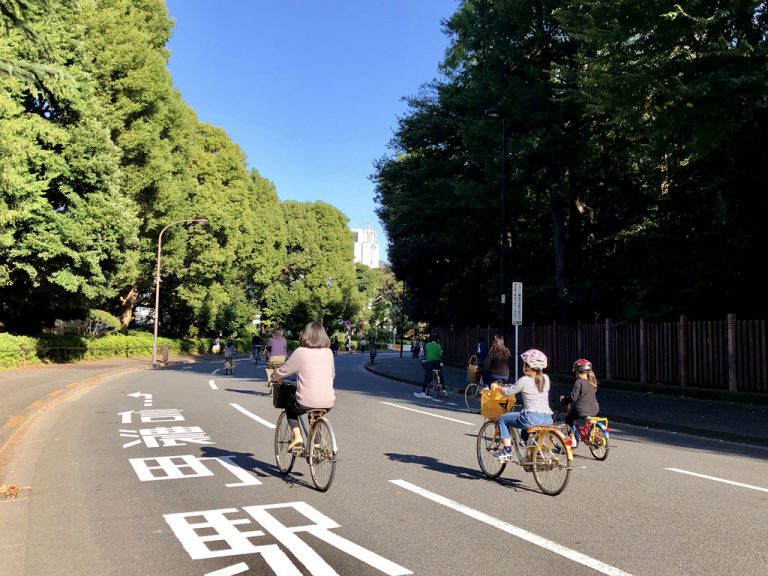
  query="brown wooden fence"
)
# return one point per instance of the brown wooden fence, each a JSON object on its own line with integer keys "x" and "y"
{"x": 728, "y": 355}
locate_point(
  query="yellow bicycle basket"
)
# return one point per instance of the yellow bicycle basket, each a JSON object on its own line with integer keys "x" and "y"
{"x": 493, "y": 404}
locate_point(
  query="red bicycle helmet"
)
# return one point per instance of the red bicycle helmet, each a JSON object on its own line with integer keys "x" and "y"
{"x": 582, "y": 365}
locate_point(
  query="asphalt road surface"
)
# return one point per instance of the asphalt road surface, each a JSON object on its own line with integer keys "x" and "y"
{"x": 172, "y": 472}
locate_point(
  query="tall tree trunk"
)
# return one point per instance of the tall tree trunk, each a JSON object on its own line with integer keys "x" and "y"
{"x": 126, "y": 306}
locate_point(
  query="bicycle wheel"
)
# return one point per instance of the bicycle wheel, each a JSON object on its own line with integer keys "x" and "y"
{"x": 283, "y": 437}
{"x": 551, "y": 468}
{"x": 598, "y": 442}
{"x": 434, "y": 387}
{"x": 488, "y": 441}
{"x": 322, "y": 455}
{"x": 472, "y": 397}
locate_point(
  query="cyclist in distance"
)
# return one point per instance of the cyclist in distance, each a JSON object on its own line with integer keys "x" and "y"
{"x": 433, "y": 356}
{"x": 312, "y": 362}
{"x": 534, "y": 386}
{"x": 256, "y": 344}
{"x": 497, "y": 360}
{"x": 229, "y": 356}
{"x": 277, "y": 350}
{"x": 583, "y": 397}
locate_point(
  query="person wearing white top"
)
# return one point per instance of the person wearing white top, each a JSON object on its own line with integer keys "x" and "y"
{"x": 534, "y": 387}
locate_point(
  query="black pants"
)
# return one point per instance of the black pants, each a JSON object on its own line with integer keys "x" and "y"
{"x": 294, "y": 410}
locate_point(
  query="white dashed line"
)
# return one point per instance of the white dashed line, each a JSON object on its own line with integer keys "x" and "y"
{"x": 714, "y": 478}
{"x": 252, "y": 416}
{"x": 430, "y": 414}
{"x": 545, "y": 543}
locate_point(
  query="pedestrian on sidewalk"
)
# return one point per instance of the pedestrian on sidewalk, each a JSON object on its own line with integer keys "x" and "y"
{"x": 433, "y": 360}
{"x": 373, "y": 350}
{"x": 583, "y": 398}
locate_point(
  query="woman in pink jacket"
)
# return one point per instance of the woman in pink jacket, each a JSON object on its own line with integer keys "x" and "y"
{"x": 312, "y": 362}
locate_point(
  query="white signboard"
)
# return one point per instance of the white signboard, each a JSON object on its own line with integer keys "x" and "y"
{"x": 517, "y": 303}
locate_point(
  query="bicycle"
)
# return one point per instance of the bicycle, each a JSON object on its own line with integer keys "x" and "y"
{"x": 594, "y": 433}
{"x": 472, "y": 395}
{"x": 436, "y": 386}
{"x": 546, "y": 454}
{"x": 319, "y": 446}
{"x": 256, "y": 353}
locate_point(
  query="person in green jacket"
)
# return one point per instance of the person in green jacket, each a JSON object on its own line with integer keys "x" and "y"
{"x": 433, "y": 360}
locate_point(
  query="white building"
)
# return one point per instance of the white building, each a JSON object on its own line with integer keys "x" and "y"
{"x": 366, "y": 248}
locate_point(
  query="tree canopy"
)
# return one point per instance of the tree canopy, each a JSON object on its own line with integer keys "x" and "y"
{"x": 636, "y": 158}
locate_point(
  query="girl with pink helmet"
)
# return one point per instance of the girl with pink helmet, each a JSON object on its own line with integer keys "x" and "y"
{"x": 534, "y": 387}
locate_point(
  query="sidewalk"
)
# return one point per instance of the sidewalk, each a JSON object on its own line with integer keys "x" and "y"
{"x": 735, "y": 421}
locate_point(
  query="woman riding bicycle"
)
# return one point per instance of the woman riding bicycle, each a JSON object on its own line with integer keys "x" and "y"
{"x": 583, "y": 396}
{"x": 496, "y": 362}
{"x": 536, "y": 411}
{"x": 277, "y": 350}
{"x": 312, "y": 362}
{"x": 229, "y": 356}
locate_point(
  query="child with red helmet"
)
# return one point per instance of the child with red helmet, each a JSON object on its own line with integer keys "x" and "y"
{"x": 583, "y": 397}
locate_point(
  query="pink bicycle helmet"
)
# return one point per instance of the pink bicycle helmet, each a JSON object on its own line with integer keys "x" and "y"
{"x": 534, "y": 358}
{"x": 582, "y": 365}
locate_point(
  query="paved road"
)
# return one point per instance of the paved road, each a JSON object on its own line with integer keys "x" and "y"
{"x": 27, "y": 392}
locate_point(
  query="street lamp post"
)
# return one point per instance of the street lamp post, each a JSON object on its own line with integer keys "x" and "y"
{"x": 496, "y": 113}
{"x": 157, "y": 279}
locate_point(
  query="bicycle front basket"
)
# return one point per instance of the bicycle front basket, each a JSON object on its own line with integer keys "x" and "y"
{"x": 283, "y": 394}
{"x": 493, "y": 404}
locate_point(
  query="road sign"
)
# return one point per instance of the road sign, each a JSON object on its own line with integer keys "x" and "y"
{"x": 517, "y": 303}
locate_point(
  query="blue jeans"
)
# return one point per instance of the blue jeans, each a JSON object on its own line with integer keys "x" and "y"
{"x": 521, "y": 420}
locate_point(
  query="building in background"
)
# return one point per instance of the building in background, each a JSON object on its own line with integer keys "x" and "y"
{"x": 366, "y": 248}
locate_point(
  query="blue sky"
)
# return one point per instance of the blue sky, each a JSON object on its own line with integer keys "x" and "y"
{"x": 309, "y": 89}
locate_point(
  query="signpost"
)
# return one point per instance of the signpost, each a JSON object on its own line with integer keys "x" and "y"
{"x": 517, "y": 319}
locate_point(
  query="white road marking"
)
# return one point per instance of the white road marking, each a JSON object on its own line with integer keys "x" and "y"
{"x": 216, "y": 371}
{"x": 230, "y": 570}
{"x": 212, "y": 384}
{"x": 251, "y": 415}
{"x": 540, "y": 541}
{"x": 723, "y": 480}
{"x": 429, "y": 414}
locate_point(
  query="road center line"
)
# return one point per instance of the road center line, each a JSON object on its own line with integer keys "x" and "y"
{"x": 549, "y": 545}
{"x": 429, "y": 414}
{"x": 723, "y": 480}
{"x": 251, "y": 415}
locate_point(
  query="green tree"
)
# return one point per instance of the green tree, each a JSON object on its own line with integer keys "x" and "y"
{"x": 318, "y": 281}
{"x": 68, "y": 230}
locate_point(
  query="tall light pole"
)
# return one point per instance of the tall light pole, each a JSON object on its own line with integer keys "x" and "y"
{"x": 496, "y": 113}
{"x": 157, "y": 279}
{"x": 402, "y": 319}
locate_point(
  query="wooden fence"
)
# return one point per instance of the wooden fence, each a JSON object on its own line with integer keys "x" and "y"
{"x": 726, "y": 355}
